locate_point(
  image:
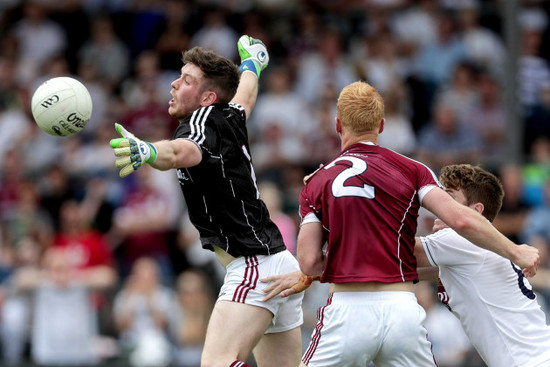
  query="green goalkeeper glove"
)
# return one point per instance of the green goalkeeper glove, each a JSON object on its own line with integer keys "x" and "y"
{"x": 134, "y": 152}
{"x": 254, "y": 56}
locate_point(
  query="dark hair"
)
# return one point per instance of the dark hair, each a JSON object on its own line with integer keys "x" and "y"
{"x": 478, "y": 185}
{"x": 221, "y": 75}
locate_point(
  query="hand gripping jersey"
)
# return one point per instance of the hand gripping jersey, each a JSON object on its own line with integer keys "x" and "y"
{"x": 494, "y": 302}
{"x": 221, "y": 192}
{"x": 367, "y": 199}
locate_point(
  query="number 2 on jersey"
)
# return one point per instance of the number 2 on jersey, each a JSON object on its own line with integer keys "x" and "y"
{"x": 358, "y": 167}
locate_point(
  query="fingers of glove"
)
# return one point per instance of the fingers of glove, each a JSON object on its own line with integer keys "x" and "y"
{"x": 127, "y": 170}
{"x": 123, "y": 132}
{"x": 124, "y": 161}
{"x": 120, "y": 152}
{"x": 119, "y": 142}
{"x": 242, "y": 45}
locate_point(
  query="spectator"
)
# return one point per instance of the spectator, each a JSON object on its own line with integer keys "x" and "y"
{"x": 329, "y": 64}
{"x": 142, "y": 312}
{"x": 536, "y": 124}
{"x": 536, "y": 172}
{"x": 511, "y": 218}
{"x": 460, "y": 93}
{"x": 484, "y": 47}
{"x": 416, "y": 25}
{"x": 142, "y": 225}
{"x": 273, "y": 198}
{"x": 106, "y": 52}
{"x": 215, "y": 34}
{"x": 323, "y": 143}
{"x": 176, "y": 35}
{"x": 64, "y": 329}
{"x": 398, "y": 131}
{"x": 538, "y": 218}
{"x": 11, "y": 177}
{"x": 38, "y": 39}
{"x": 28, "y": 219}
{"x": 533, "y": 70}
{"x": 382, "y": 65}
{"x": 15, "y": 313}
{"x": 486, "y": 118}
{"x": 279, "y": 125}
{"x": 433, "y": 63}
{"x": 444, "y": 141}
{"x": 195, "y": 301}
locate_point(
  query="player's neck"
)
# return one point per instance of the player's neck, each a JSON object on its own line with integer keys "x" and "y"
{"x": 348, "y": 140}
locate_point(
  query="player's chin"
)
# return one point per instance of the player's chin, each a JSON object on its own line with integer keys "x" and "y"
{"x": 172, "y": 111}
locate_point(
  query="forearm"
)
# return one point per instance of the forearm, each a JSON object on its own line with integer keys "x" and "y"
{"x": 178, "y": 153}
{"x": 469, "y": 224}
{"x": 480, "y": 232}
{"x": 310, "y": 249}
{"x": 247, "y": 92}
{"x": 313, "y": 265}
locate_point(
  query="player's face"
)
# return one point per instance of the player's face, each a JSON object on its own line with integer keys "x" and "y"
{"x": 187, "y": 92}
{"x": 458, "y": 195}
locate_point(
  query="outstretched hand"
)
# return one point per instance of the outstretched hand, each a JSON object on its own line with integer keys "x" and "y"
{"x": 132, "y": 151}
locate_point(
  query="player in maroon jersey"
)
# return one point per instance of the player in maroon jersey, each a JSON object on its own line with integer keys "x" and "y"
{"x": 364, "y": 205}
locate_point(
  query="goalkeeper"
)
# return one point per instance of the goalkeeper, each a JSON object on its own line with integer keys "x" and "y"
{"x": 212, "y": 99}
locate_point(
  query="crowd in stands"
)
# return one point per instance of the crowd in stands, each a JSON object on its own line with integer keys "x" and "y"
{"x": 95, "y": 269}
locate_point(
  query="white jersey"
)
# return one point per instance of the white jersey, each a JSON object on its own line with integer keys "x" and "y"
{"x": 493, "y": 300}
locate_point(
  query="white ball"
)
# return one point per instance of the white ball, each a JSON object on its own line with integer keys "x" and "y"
{"x": 61, "y": 106}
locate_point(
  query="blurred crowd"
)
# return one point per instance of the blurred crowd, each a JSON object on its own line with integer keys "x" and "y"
{"x": 95, "y": 269}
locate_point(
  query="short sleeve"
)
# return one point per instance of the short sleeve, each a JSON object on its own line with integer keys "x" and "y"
{"x": 237, "y": 108}
{"x": 309, "y": 204}
{"x": 446, "y": 247}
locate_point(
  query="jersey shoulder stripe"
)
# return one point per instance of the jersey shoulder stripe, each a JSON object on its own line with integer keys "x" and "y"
{"x": 197, "y": 124}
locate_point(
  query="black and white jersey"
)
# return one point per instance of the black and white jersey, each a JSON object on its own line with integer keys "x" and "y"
{"x": 221, "y": 193}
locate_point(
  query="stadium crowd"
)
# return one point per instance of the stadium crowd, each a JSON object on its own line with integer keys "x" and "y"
{"x": 98, "y": 270}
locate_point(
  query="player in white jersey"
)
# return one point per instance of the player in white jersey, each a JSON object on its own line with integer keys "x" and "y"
{"x": 488, "y": 293}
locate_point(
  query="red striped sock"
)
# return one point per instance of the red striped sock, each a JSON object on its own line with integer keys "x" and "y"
{"x": 239, "y": 364}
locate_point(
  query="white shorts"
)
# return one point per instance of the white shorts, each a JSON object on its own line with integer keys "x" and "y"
{"x": 242, "y": 284}
{"x": 355, "y": 328}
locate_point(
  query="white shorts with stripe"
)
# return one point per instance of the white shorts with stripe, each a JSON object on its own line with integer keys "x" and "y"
{"x": 242, "y": 284}
{"x": 355, "y": 328}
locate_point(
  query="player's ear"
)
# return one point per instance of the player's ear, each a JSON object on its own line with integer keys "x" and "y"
{"x": 382, "y": 123}
{"x": 208, "y": 98}
{"x": 478, "y": 207}
{"x": 338, "y": 125}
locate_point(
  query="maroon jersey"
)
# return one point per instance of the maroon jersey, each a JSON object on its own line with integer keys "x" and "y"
{"x": 367, "y": 200}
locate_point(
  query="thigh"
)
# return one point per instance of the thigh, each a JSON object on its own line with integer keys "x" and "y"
{"x": 405, "y": 338}
{"x": 282, "y": 349}
{"x": 339, "y": 338}
{"x": 233, "y": 331}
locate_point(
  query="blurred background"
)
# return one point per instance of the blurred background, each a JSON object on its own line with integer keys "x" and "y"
{"x": 98, "y": 270}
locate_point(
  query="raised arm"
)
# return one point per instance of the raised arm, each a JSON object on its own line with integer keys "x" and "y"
{"x": 254, "y": 59}
{"x": 473, "y": 226}
{"x": 247, "y": 92}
